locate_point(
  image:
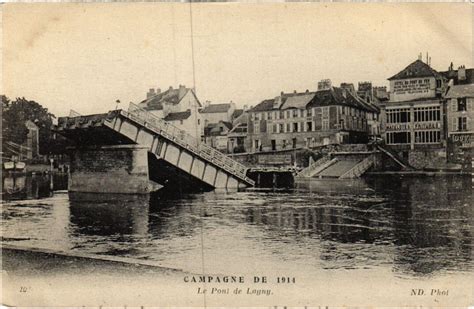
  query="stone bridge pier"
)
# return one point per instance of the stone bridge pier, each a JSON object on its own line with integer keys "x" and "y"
{"x": 110, "y": 169}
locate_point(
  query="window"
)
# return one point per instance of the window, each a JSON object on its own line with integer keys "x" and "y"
{"x": 438, "y": 83}
{"x": 398, "y": 115}
{"x": 462, "y": 106}
{"x": 257, "y": 127}
{"x": 309, "y": 112}
{"x": 295, "y": 113}
{"x": 288, "y": 114}
{"x": 283, "y": 143}
{"x": 341, "y": 124}
{"x": 398, "y": 137}
{"x": 462, "y": 124}
{"x": 427, "y": 137}
{"x": 280, "y": 128}
{"x": 295, "y": 127}
{"x": 256, "y": 144}
{"x": 282, "y": 114}
{"x": 325, "y": 112}
{"x": 288, "y": 127}
{"x": 275, "y": 128}
{"x": 325, "y": 124}
{"x": 309, "y": 126}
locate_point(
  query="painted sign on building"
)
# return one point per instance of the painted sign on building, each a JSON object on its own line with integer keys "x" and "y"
{"x": 410, "y": 89}
{"x": 412, "y": 86}
{"x": 466, "y": 140}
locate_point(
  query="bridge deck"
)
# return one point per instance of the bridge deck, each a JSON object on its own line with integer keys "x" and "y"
{"x": 179, "y": 155}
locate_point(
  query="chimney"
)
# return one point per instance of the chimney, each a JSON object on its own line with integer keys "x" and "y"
{"x": 344, "y": 93}
{"x": 294, "y": 91}
{"x": 307, "y": 90}
{"x": 277, "y": 102}
{"x": 348, "y": 86}
{"x": 182, "y": 91}
{"x": 158, "y": 90}
{"x": 170, "y": 88}
{"x": 324, "y": 84}
{"x": 150, "y": 93}
{"x": 462, "y": 73}
{"x": 232, "y": 105}
{"x": 282, "y": 93}
{"x": 246, "y": 107}
{"x": 207, "y": 103}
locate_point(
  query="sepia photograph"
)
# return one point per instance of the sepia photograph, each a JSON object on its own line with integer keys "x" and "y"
{"x": 243, "y": 154}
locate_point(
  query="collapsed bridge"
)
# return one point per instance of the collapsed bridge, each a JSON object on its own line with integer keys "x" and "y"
{"x": 134, "y": 151}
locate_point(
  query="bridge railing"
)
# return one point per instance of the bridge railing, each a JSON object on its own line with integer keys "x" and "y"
{"x": 358, "y": 169}
{"x": 187, "y": 141}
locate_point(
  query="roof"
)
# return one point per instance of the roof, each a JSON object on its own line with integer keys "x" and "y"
{"x": 339, "y": 96}
{"x": 238, "y": 130}
{"x": 453, "y": 74}
{"x": 178, "y": 116}
{"x": 170, "y": 96}
{"x": 216, "y": 108}
{"x": 217, "y": 128}
{"x": 298, "y": 100}
{"x": 460, "y": 91}
{"x": 416, "y": 69}
{"x": 265, "y": 105}
{"x": 237, "y": 113}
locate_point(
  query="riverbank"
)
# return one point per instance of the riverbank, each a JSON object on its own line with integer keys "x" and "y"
{"x": 42, "y": 277}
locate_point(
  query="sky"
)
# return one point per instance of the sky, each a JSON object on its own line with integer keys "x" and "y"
{"x": 85, "y": 56}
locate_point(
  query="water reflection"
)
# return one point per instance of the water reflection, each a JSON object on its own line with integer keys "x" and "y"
{"x": 425, "y": 223}
{"x": 410, "y": 226}
{"x": 22, "y": 187}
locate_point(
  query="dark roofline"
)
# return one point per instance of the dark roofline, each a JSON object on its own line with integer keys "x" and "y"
{"x": 433, "y": 72}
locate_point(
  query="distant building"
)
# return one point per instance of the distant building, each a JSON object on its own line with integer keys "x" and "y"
{"x": 460, "y": 113}
{"x": 412, "y": 120}
{"x": 238, "y": 134}
{"x": 179, "y": 106}
{"x": 331, "y": 115}
{"x": 215, "y": 135}
{"x": 213, "y": 113}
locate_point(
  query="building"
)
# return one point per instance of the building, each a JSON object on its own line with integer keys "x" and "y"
{"x": 412, "y": 120}
{"x": 330, "y": 115}
{"x": 215, "y": 135}
{"x": 460, "y": 113}
{"x": 180, "y": 107}
{"x": 213, "y": 113}
{"x": 238, "y": 134}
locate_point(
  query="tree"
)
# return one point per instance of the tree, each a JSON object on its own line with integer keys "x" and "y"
{"x": 14, "y": 116}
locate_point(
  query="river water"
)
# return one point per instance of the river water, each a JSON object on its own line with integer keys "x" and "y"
{"x": 406, "y": 227}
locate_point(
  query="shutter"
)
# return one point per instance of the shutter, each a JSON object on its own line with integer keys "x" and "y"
{"x": 453, "y": 105}
{"x": 470, "y": 104}
{"x": 455, "y": 124}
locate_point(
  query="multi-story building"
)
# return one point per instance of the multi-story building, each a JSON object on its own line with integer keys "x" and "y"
{"x": 412, "y": 120}
{"x": 331, "y": 115}
{"x": 460, "y": 113}
{"x": 179, "y": 106}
